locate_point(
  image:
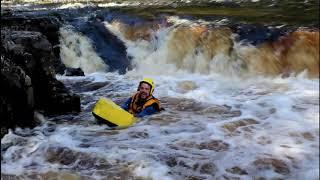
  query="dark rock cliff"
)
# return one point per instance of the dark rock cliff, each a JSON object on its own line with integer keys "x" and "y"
{"x": 29, "y": 62}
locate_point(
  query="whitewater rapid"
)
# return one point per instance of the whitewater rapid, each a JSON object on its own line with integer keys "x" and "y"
{"x": 267, "y": 127}
{"x": 224, "y": 119}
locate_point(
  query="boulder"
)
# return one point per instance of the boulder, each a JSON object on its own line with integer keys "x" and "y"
{"x": 33, "y": 53}
{"x": 28, "y": 80}
{"x": 47, "y": 25}
{"x": 74, "y": 72}
{"x": 16, "y": 97}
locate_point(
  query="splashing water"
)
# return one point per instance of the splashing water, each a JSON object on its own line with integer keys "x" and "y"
{"x": 213, "y": 127}
{"x": 76, "y": 51}
{"x": 229, "y": 113}
{"x": 200, "y": 48}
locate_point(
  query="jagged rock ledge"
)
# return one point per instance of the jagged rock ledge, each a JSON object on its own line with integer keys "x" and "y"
{"x": 29, "y": 62}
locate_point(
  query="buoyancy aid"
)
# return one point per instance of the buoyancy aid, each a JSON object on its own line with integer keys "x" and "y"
{"x": 136, "y": 106}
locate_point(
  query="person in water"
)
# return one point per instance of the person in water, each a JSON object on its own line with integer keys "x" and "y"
{"x": 143, "y": 103}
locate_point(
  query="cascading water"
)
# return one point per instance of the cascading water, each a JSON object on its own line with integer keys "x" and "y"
{"x": 235, "y": 109}
{"x": 76, "y": 51}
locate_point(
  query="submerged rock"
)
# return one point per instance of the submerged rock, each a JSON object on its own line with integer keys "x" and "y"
{"x": 308, "y": 136}
{"x": 277, "y": 165}
{"x": 74, "y": 72}
{"x": 171, "y": 161}
{"x": 237, "y": 170}
{"x": 233, "y": 126}
{"x": 215, "y": 145}
{"x": 142, "y": 135}
{"x": 208, "y": 168}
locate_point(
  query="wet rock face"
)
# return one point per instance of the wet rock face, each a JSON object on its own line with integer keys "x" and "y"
{"x": 46, "y": 25}
{"x": 32, "y": 52}
{"x": 27, "y": 77}
{"x": 16, "y": 98}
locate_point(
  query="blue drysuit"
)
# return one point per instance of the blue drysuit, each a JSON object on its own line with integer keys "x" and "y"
{"x": 147, "y": 111}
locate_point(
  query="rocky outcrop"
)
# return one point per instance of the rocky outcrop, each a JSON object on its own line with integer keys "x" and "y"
{"x": 27, "y": 75}
{"x": 45, "y": 24}
{"x": 16, "y": 97}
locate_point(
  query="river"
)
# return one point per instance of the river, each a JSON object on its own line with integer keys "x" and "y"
{"x": 241, "y": 98}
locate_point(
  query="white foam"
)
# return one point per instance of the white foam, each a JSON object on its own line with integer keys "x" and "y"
{"x": 123, "y": 4}
{"x": 253, "y": 97}
{"x": 72, "y": 6}
{"x": 76, "y": 51}
{"x": 285, "y": 110}
{"x": 152, "y": 170}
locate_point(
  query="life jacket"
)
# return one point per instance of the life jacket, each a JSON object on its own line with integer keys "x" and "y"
{"x": 136, "y": 108}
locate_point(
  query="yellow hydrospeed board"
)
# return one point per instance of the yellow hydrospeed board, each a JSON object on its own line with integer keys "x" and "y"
{"x": 108, "y": 112}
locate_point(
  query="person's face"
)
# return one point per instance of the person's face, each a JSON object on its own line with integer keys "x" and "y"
{"x": 144, "y": 90}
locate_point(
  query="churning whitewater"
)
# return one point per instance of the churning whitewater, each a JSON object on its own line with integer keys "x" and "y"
{"x": 234, "y": 109}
